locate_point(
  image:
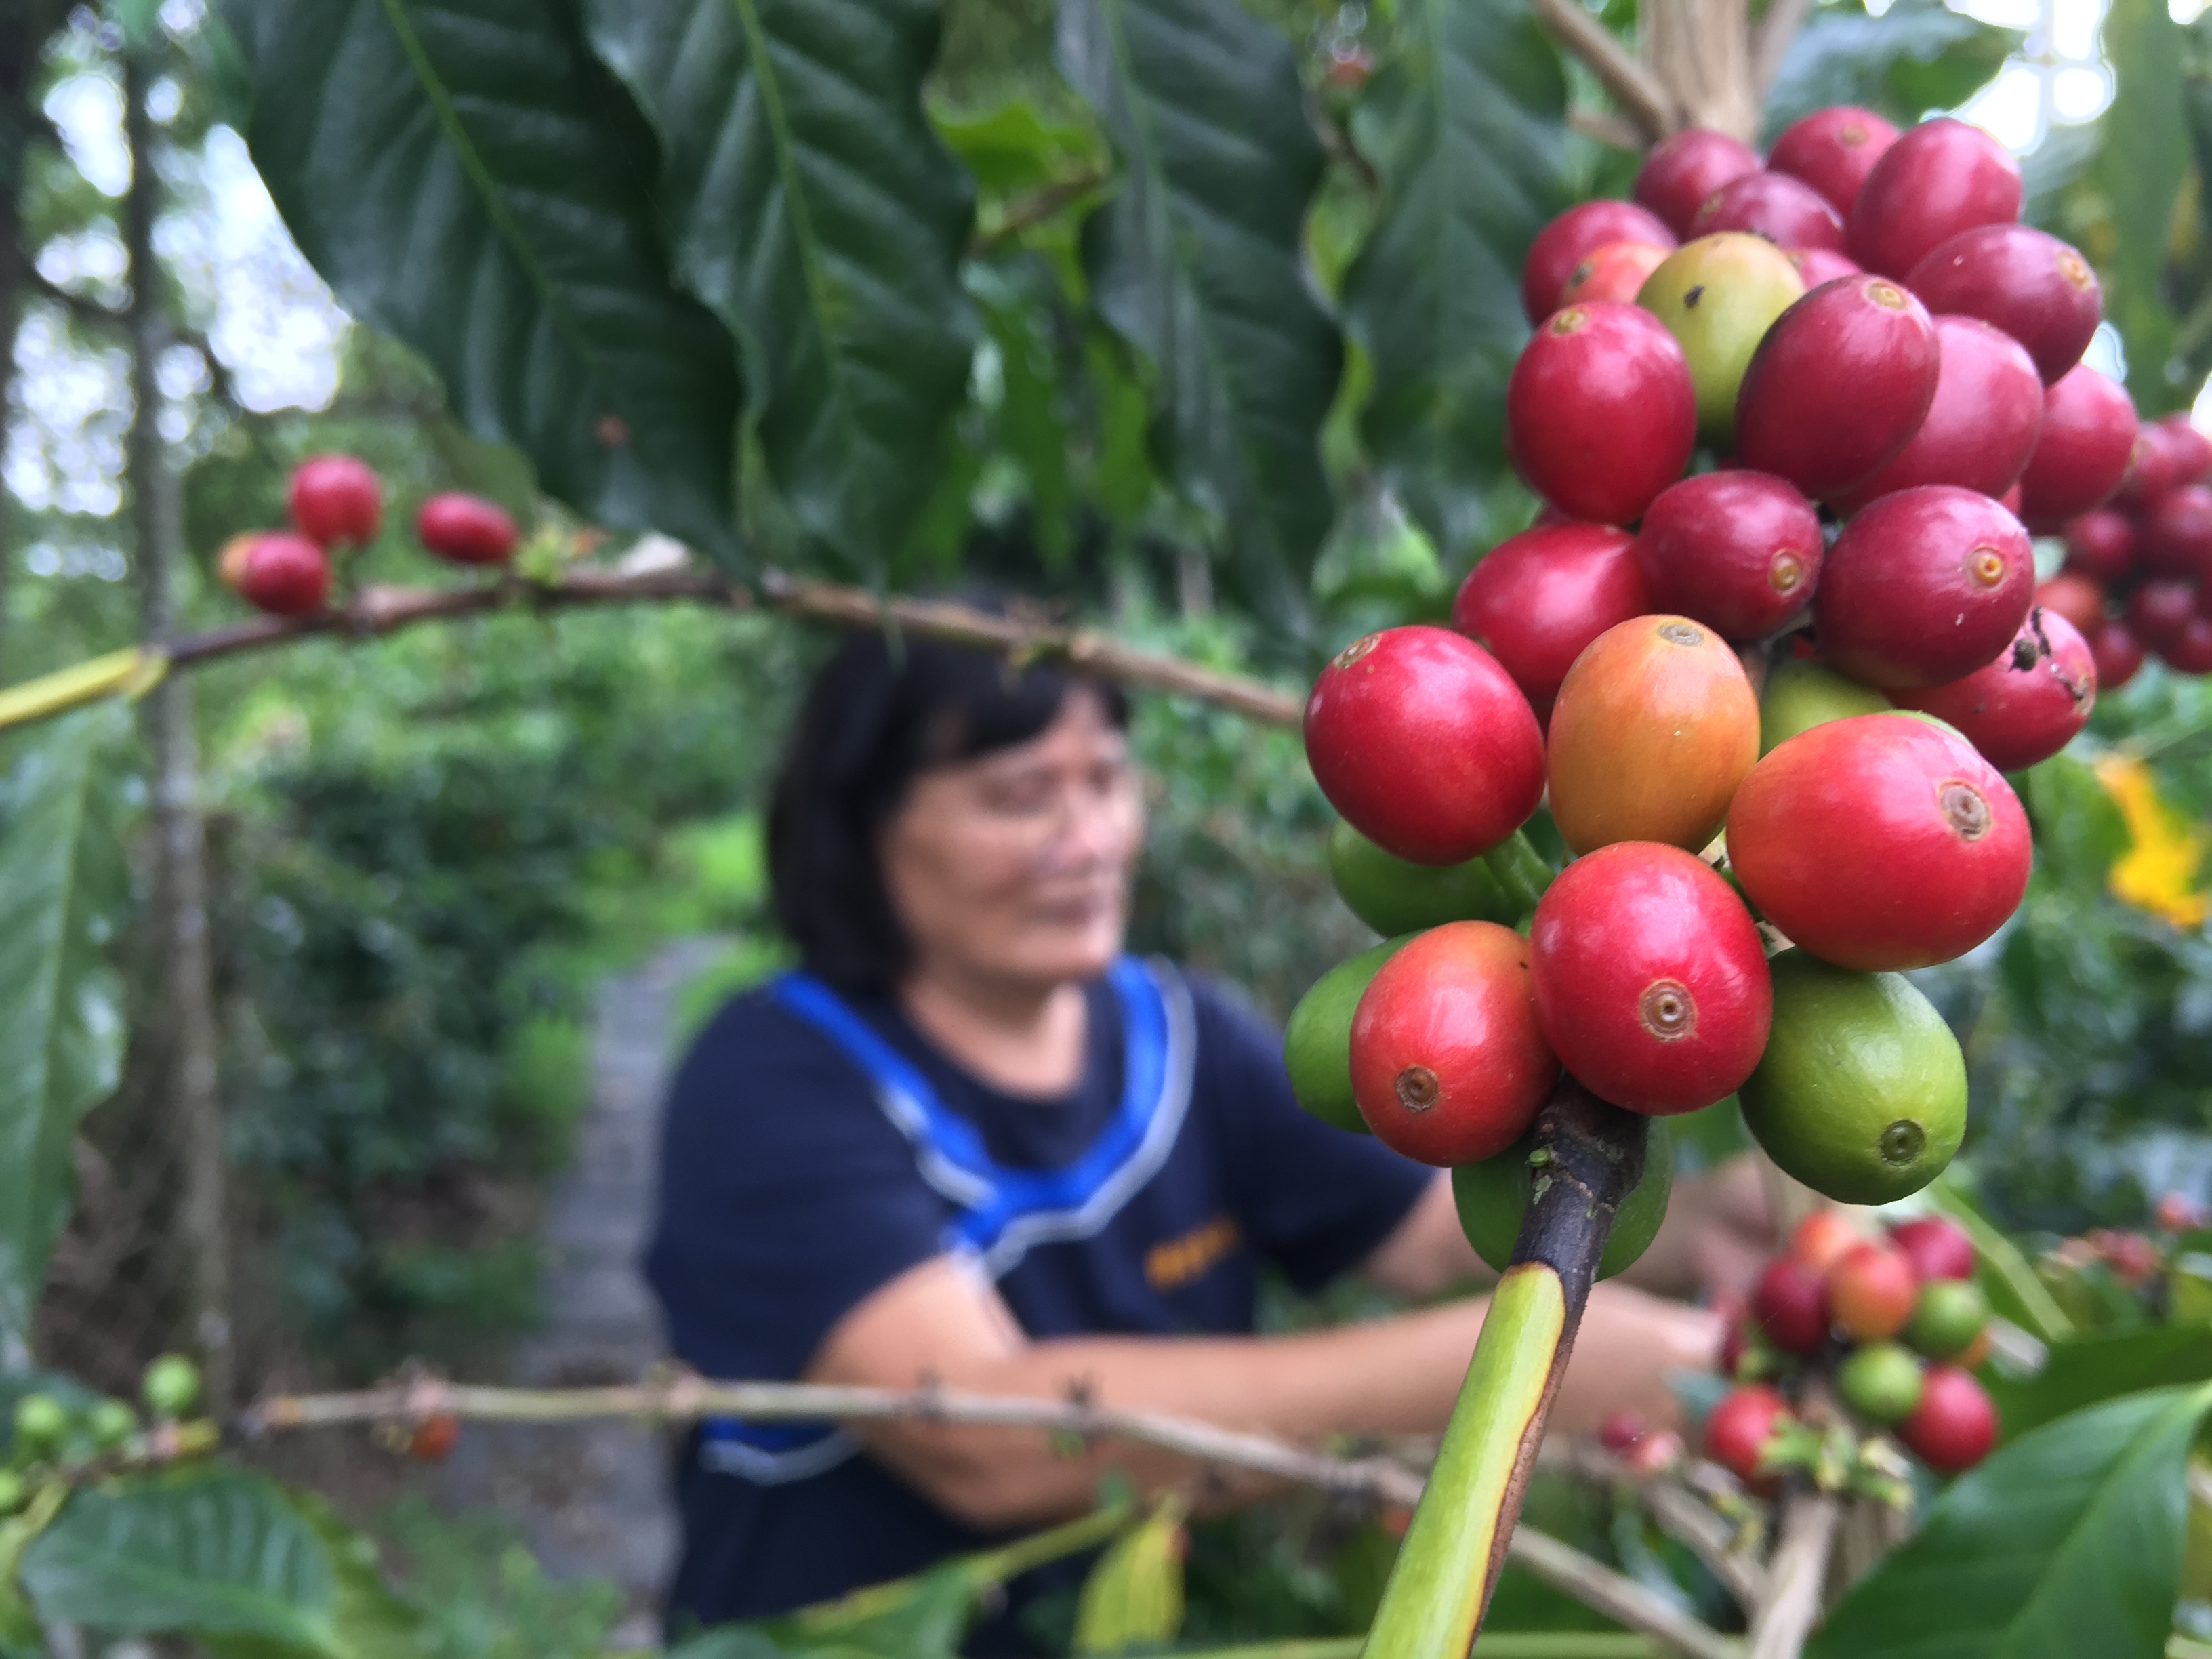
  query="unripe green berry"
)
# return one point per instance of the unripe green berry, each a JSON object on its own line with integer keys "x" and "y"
{"x": 1880, "y": 1381}
{"x": 1947, "y": 1315}
{"x": 40, "y": 1423}
{"x": 12, "y": 1492}
{"x": 172, "y": 1383}
{"x": 111, "y": 1424}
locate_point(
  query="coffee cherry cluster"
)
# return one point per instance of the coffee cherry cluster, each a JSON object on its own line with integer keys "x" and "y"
{"x": 336, "y": 504}
{"x": 1802, "y": 439}
{"x": 1889, "y": 1331}
{"x": 2138, "y": 579}
{"x": 48, "y": 1440}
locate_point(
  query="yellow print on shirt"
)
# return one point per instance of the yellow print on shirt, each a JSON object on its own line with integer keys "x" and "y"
{"x": 1171, "y": 1265}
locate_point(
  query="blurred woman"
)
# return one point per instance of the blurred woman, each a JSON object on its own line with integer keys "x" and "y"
{"x": 970, "y": 1143}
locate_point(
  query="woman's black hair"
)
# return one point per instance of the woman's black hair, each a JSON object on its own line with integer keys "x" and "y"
{"x": 878, "y": 713}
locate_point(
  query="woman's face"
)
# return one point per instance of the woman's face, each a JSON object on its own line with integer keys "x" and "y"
{"x": 1015, "y": 866}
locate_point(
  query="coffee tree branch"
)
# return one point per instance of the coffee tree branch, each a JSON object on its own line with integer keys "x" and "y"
{"x": 681, "y": 1398}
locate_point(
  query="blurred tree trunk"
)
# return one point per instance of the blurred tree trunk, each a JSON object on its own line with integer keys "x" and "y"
{"x": 24, "y": 27}
{"x": 184, "y": 971}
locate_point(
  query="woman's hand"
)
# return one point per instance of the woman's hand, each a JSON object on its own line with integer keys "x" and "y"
{"x": 1717, "y": 1235}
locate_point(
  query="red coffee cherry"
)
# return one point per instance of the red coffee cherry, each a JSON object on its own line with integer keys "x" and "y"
{"x": 1739, "y": 1427}
{"x": 1738, "y": 551}
{"x": 2176, "y": 534}
{"x": 1615, "y": 272}
{"x": 1572, "y": 237}
{"x": 2159, "y": 612}
{"x": 336, "y": 500}
{"x": 1816, "y": 265}
{"x": 1923, "y": 586}
{"x": 434, "y": 1437}
{"x": 1938, "y": 1249}
{"x": 1536, "y": 599}
{"x": 2075, "y": 597}
{"x": 1982, "y": 427}
{"x": 1822, "y": 1239}
{"x": 2025, "y": 706}
{"x": 1871, "y": 1291}
{"x": 1939, "y": 178}
{"x": 1447, "y": 1064}
{"x": 285, "y": 575}
{"x": 2154, "y": 463}
{"x": 1599, "y": 413}
{"x": 2190, "y": 449}
{"x": 1840, "y": 383}
{"x": 2190, "y": 652}
{"x": 1622, "y": 1430}
{"x": 1880, "y": 843}
{"x": 2016, "y": 278}
{"x": 2081, "y": 452}
{"x": 1832, "y": 150}
{"x": 2117, "y": 654}
{"x": 2102, "y": 545}
{"x": 1680, "y": 172}
{"x": 466, "y": 529}
{"x": 1789, "y": 1304}
{"x": 1425, "y": 744}
{"x": 1955, "y": 1425}
{"x": 1650, "y": 981}
{"x": 1787, "y": 213}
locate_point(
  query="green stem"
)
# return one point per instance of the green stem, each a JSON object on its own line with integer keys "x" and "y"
{"x": 1503, "y": 1645}
{"x": 1520, "y": 869}
{"x": 1071, "y": 1538}
{"x": 1440, "y": 1587}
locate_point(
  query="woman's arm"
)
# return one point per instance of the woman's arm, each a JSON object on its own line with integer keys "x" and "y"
{"x": 941, "y": 1323}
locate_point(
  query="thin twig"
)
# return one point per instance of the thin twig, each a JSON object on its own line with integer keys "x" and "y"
{"x": 1680, "y": 1513}
{"x": 1035, "y": 209}
{"x": 681, "y": 1398}
{"x": 1795, "y": 1578}
{"x": 1770, "y": 41}
{"x": 379, "y": 610}
{"x": 1643, "y": 97}
{"x": 1610, "y": 130}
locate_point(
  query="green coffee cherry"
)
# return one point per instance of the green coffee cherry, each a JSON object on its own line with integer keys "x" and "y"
{"x": 111, "y": 1424}
{"x": 171, "y": 1386}
{"x": 41, "y": 1424}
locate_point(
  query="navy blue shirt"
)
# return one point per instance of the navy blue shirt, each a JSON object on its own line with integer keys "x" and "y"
{"x": 792, "y": 1187}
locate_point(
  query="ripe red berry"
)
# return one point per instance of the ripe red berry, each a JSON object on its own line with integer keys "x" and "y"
{"x": 1871, "y": 1291}
{"x": 1840, "y": 383}
{"x": 1832, "y": 150}
{"x": 1680, "y": 172}
{"x": 2176, "y": 1212}
{"x": 1938, "y": 1249}
{"x": 2117, "y": 654}
{"x": 2154, "y": 462}
{"x": 1447, "y": 1064}
{"x": 2190, "y": 652}
{"x": 1981, "y": 428}
{"x": 1741, "y": 1426}
{"x": 466, "y": 529}
{"x": 1789, "y": 1304}
{"x": 285, "y": 575}
{"x": 1822, "y": 1239}
{"x": 1599, "y": 413}
{"x": 2159, "y": 612}
{"x": 2190, "y": 449}
{"x": 1782, "y": 209}
{"x": 1536, "y": 599}
{"x": 1615, "y": 272}
{"x": 1924, "y": 586}
{"x": 1425, "y": 744}
{"x": 1939, "y": 178}
{"x": 2102, "y": 545}
{"x": 2025, "y": 706}
{"x": 1650, "y": 980}
{"x": 1738, "y": 550}
{"x": 2033, "y": 285}
{"x": 336, "y": 500}
{"x": 1622, "y": 1430}
{"x": 2081, "y": 452}
{"x": 1816, "y": 265}
{"x": 1880, "y": 841}
{"x": 432, "y": 1439}
{"x": 2176, "y": 534}
{"x": 2075, "y": 597}
{"x": 1955, "y": 1425}
{"x": 1572, "y": 237}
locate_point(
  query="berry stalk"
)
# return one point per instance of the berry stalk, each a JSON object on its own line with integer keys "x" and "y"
{"x": 1587, "y": 1158}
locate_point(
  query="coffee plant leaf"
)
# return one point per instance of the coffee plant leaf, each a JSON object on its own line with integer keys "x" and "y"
{"x": 1466, "y": 128}
{"x": 62, "y": 883}
{"x": 924, "y": 1617}
{"x": 2140, "y": 170}
{"x": 1918, "y": 55}
{"x": 1195, "y": 260}
{"x": 2065, "y": 1542}
{"x": 2101, "y": 1366}
{"x": 1134, "y": 1597}
{"x": 809, "y": 202}
{"x": 367, "y": 1621}
{"x": 467, "y": 178}
{"x": 215, "y": 1554}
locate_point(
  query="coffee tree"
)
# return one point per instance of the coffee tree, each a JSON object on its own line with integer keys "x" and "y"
{"x": 1708, "y": 758}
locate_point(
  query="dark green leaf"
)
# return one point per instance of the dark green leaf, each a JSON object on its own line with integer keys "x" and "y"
{"x": 2140, "y": 170}
{"x": 2063, "y": 1544}
{"x": 2079, "y": 830}
{"x": 469, "y": 179}
{"x": 1918, "y": 55}
{"x": 367, "y": 1621}
{"x": 813, "y": 209}
{"x": 2093, "y": 1368}
{"x": 924, "y": 1617}
{"x": 213, "y": 1553}
{"x": 1196, "y": 262}
{"x": 1015, "y": 300}
{"x": 62, "y": 877}
{"x": 1467, "y": 129}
